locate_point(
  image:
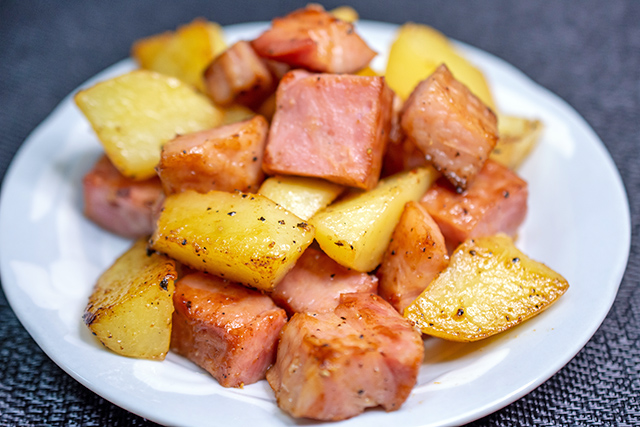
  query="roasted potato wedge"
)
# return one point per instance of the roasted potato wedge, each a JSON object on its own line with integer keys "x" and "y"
{"x": 355, "y": 231}
{"x": 242, "y": 237}
{"x": 488, "y": 287}
{"x": 416, "y": 53}
{"x": 517, "y": 137}
{"x": 136, "y": 113}
{"x": 131, "y": 305}
{"x": 183, "y": 54}
{"x": 236, "y": 113}
{"x": 301, "y": 195}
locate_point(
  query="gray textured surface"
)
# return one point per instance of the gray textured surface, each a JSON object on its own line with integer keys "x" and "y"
{"x": 588, "y": 52}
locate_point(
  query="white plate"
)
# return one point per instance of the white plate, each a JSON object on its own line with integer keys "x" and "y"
{"x": 578, "y": 223}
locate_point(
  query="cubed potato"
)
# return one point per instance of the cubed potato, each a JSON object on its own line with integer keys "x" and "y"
{"x": 183, "y": 54}
{"x": 489, "y": 287}
{"x": 415, "y": 256}
{"x": 345, "y": 13}
{"x": 302, "y": 196}
{"x": 355, "y": 231}
{"x": 131, "y": 306}
{"x": 136, "y": 113}
{"x": 415, "y": 54}
{"x": 518, "y": 136}
{"x": 236, "y": 113}
{"x": 242, "y": 237}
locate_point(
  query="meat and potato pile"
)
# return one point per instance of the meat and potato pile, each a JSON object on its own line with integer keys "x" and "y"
{"x": 301, "y": 218}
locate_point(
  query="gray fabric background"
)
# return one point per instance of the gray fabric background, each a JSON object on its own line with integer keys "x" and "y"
{"x": 587, "y": 52}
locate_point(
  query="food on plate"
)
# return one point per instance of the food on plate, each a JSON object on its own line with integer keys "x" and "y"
{"x": 355, "y": 231}
{"x": 345, "y": 13}
{"x": 183, "y": 54}
{"x": 131, "y": 306}
{"x": 225, "y": 328}
{"x": 451, "y": 126}
{"x": 331, "y": 366}
{"x": 496, "y": 202}
{"x": 330, "y": 126}
{"x": 119, "y": 204}
{"x": 416, "y": 254}
{"x": 239, "y": 75}
{"x": 489, "y": 287}
{"x": 287, "y": 145}
{"x": 133, "y": 115}
{"x": 302, "y": 196}
{"x": 316, "y": 40}
{"x": 316, "y": 282}
{"x": 518, "y": 136}
{"x": 226, "y": 158}
{"x": 242, "y": 237}
{"x": 415, "y": 54}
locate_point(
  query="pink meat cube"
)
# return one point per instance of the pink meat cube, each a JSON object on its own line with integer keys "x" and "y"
{"x": 226, "y": 158}
{"x": 227, "y": 329}
{"x": 120, "y": 204}
{"x": 239, "y": 75}
{"x": 495, "y": 202}
{"x": 416, "y": 255}
{"x": 331, "y": 366}
{"x": 330, "y": 126}
{"x": 316, "y": 282}
{"x": 451, "y": 126}
{"x": 314, "y": 39}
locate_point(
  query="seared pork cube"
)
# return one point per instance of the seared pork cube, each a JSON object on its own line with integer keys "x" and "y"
{"x": 402, "y": 155}
{"x": 415, "y": 256}
{"x": 330, "y": 126}
{"x": 316, "y": 282}
{"x": 239, "y": 75}
{"x": 225, "y": 328}
{"x": 332, "y": 366}
{"x": 119, "y": 204}
{"x": 225, "y": 158}
{"x": 451, "y": 126}
{"x": 495, "y": 202}
{"x": 314, "y": 39}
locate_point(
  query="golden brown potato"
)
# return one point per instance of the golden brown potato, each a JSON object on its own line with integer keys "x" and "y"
{"x": 301, "y": 195}
{"x": 355, "y": 231}
{"x": 345, "y": 13}
{"x": 517, "y": 137}
{"x": 131, "y": 306}
{"x": 416, "y": 53}
{"x": 489, "y": 287}
{"x": 242, "y": 237}
{"x": 136, "y": 113}
{"x": 183, "y": 54}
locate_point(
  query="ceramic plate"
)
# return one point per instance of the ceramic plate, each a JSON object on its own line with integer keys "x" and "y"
{"x": 578, "y": 223}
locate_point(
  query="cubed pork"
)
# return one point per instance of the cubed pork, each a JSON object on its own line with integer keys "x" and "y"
{"x": 227, "y": 329}
{"x": 120, "y": 204}
{"x": 314, "y": 39}
{"x": 495, "y": 202}
{"x": 415, "y": 256}
{"x": 316, "y": 282}
{"x": 332, "y": 366}
{"x": 226, "y": 158}
{"x": 239, "y": 75}
{"x": 330, "y": 126}
{"x": 453, "y": 128}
